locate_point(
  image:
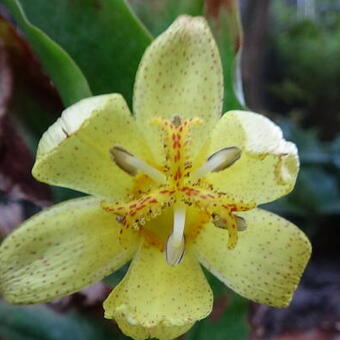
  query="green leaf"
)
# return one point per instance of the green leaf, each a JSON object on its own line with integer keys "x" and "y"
{"x": 117, "y": 276}
{"x": 224, "y": 19}
{"x": 158, "y": 15}
{"x": 104, "y": 38}
{"x": 42, "y": 323}
{"x": 63, "y": 71}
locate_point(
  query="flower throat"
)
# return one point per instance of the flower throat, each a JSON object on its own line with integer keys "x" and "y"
{"x": 178, "y": 185}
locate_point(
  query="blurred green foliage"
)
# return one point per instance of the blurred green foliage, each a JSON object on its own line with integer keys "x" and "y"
{"x": 304, "y": 83}
{"x": 103, "y": 37}
{"x": 43, "y": 323}
{"x": 308, "y": 53}
{"x": 317, "y": 190}
{"x": 158, "y": 15}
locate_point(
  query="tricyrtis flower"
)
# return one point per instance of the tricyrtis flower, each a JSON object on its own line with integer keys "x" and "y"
{"x": 171, "y": 187}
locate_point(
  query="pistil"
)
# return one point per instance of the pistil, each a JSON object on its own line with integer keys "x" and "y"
{"x": 176, "y": 243}
{"x": 179, "y": 224}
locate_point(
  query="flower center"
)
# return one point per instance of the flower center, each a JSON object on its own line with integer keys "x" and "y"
{"x": 178, "y": 185}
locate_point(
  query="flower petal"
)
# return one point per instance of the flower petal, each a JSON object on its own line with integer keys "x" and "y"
{"x": 75, "y": 151}
{"x": 266, "y": 264}
{"x": 180, "y": 74}
{"x": 158, "y": 300}
{"x": 160, "y": 331}
{"x": 268, "y": 165}
{"x": 61, "y": 250}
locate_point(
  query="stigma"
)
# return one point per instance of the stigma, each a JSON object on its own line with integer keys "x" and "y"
{"x": 178, "y": 185}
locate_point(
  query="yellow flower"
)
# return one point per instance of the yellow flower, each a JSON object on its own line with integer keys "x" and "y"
{"x": 171, "y": 187}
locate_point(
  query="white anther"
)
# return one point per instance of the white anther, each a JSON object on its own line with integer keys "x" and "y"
{"x": 176, "y": 120}
{"x": 131, "y": 164}
{"x": 176, "y": 244}
{"x": 218, "y": 161}
{"x": 120, "y": 218}
{"x": 241, "y": 223}
{"x": 221, "y": 223}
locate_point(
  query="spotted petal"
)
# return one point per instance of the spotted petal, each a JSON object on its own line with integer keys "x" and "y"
{"x": 62, "y": 250}
{"x": 75, "y": 151}
{"x": 266, "y": 264}
{"x": 180, "y": 74}
{"x": 268, "y": 165}
{"x": 158, "y": 300}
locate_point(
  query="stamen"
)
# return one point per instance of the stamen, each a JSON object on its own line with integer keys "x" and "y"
{"x": 131, "y": 164}
{"x": 221, "y": 207}
{"x": 221, "y": 223}
{"x": 218, "y": 161}
{"x": 177, "y": 121}
{"x": 218, "y": 221}
{"x": 120, "y": 218}
{"x": 176, "y": 244}
{"x": 241, "y": 223}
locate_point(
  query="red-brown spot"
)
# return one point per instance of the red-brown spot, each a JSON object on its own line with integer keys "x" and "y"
{"x": 177, "y": 156}
{"x": 178, "y": 174}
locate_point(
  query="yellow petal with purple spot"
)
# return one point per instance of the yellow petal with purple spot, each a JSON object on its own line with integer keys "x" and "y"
{"x": 158, "y": 300}
{"x": 62, "y": 250}
{"x": 75, "y": 152}
{"x": 267, "y": 263}
{"x": 180, "y": 74}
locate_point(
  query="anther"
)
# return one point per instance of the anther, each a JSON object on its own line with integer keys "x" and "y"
{"x": 221, "y": 223}
{"x": 219, "y": 161}
{"x": 241, "y": 223}
{"x": 120, "y": 219}
{"x": 123, "y": 160}
{"x": 131, "y": 164}
{"x": 176, "y": 121}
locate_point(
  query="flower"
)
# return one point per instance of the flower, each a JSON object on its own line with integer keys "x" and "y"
{"x": 171, "y": 187}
